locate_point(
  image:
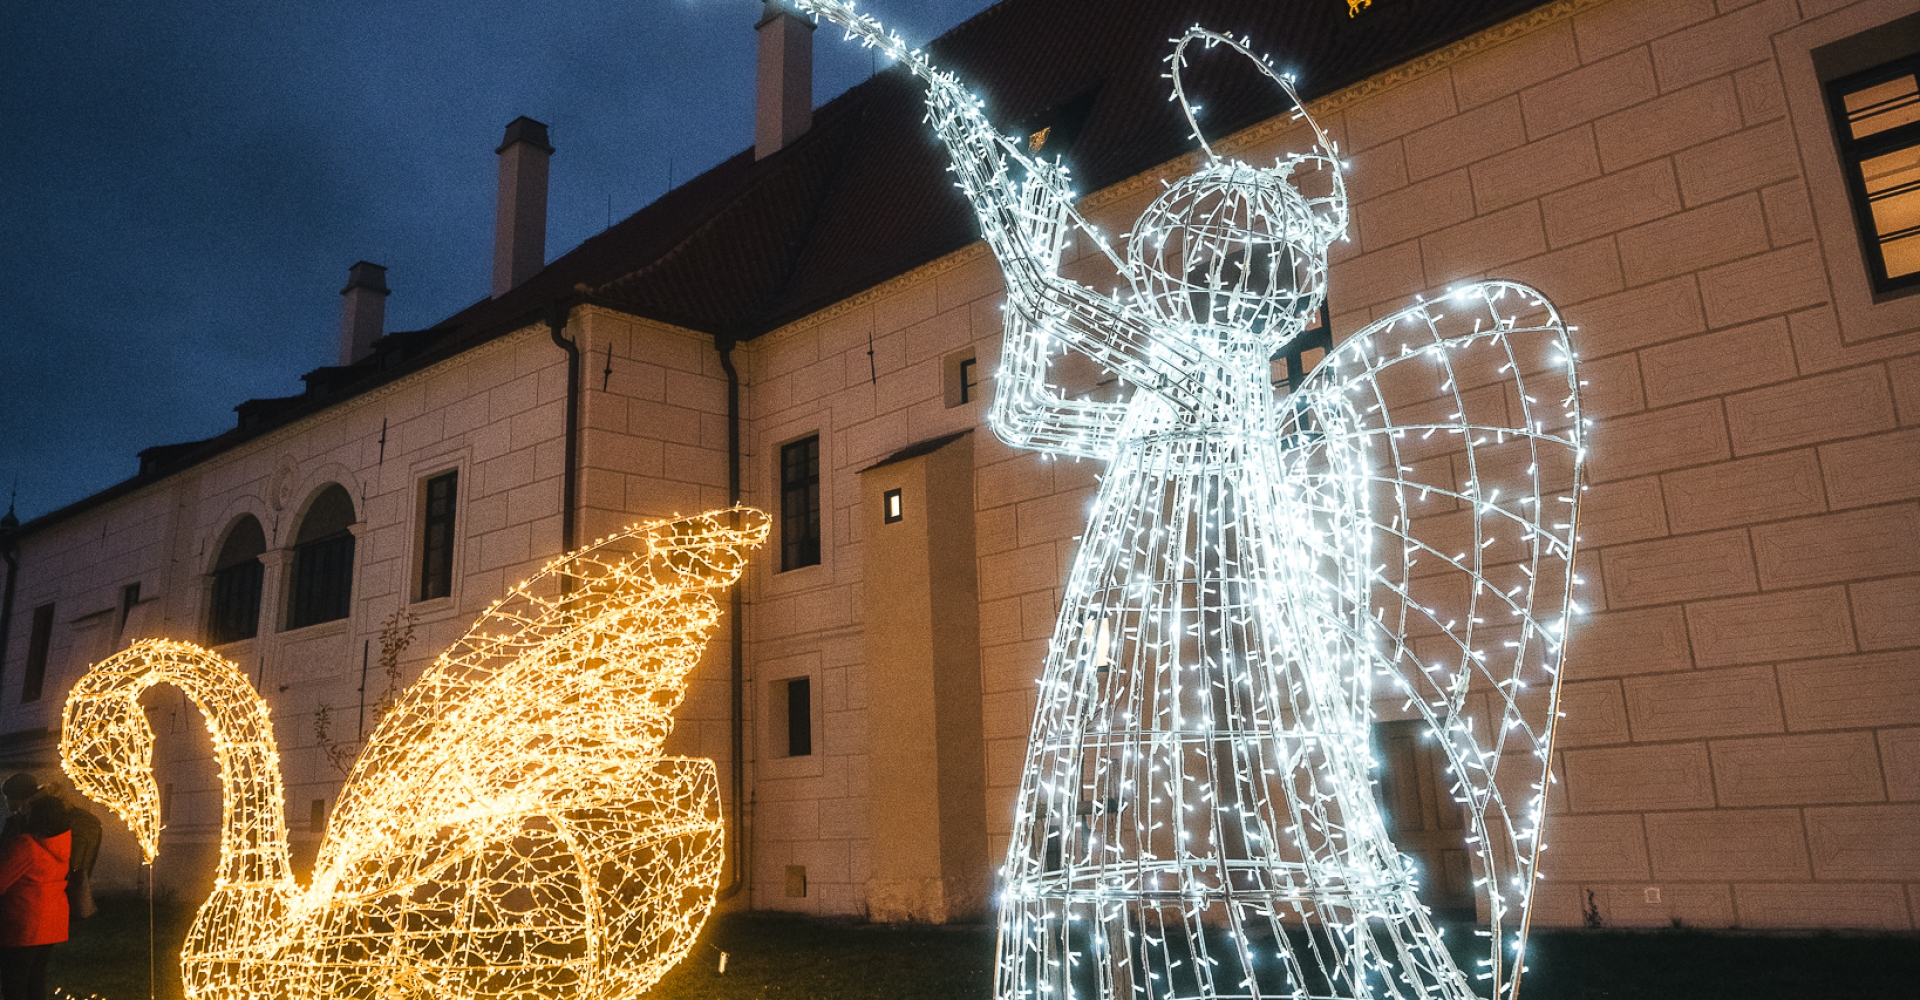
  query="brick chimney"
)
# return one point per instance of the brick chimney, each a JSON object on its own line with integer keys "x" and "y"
{"x": 520, "y": 227}
{"x": 363, "y": 313}
{"x": 784, "y": 106}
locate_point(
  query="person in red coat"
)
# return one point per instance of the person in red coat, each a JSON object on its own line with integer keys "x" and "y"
{"x": 33, "y": 899}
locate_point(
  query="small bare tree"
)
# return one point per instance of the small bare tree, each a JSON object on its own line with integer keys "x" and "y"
{"x": 395, "y": 636}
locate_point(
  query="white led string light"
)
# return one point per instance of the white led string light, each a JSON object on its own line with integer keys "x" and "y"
{"x": 511, "y": 830}
{"x": 1197, "y": 815}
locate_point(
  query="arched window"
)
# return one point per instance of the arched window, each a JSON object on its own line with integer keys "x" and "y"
{"x": 322, "y": 588}
{"x": 235, "y": 613}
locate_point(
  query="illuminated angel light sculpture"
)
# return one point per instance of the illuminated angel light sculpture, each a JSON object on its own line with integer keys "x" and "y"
{"x": 1197, "y": 814}
{"x": 511, "y": 830}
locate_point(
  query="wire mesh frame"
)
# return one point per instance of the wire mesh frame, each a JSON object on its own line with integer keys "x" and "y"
{"x": 1197, "y": 815}
{"x": 512, "y": 829}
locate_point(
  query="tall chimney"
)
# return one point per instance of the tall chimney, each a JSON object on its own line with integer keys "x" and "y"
{"x": 520, "y": 227}
{"x": 784, "y": 108}
{"x": 363, "y": 314}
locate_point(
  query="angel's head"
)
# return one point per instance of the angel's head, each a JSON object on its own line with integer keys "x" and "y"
{"x": 1238, "y": 250}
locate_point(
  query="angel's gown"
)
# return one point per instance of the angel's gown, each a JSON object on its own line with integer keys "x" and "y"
{"x": 1196, "y": 817}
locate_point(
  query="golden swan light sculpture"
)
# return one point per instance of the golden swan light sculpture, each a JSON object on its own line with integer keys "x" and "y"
{"x": 510, "y": 830}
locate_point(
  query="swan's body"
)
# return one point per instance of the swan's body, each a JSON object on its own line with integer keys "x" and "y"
{"x": 511, "y": 830}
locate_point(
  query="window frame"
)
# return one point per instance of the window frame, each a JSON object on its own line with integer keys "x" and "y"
{"x": 320, "y": 573}
{"x": 1854, "y": 153}
{"x": 436, "y": 564}
{"x": 800, "y": 506}
{"x": 33, "y": 679}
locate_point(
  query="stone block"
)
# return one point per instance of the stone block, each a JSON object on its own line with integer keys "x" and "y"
{"x": 1905, "y": 374}
{"x": 1611, "y": 387}
{"x": 1389, "y": 275}
{"x": 1551, "y": 164}
{"x": 1504, "y": 69}
{"x": 1380, "y": 170}
{"x": 1613, "y": 27}
{"x": 1900, "y": 758}
{"x": 1571, "y": 275}
{"x": 1629, "y": 510}
{"x": 1717, "y": 363}
{"x": 1678, "y": 569}
{"x": 1693, "y": 240}
{"x": 1637, "y": 779}
{"x": 1614, "y": 203}
{"x": 1727, "y": 844}
{"x": 1018, "y": 571}
{"x": 1659, "y": 441}
{"x": 1460, "y": 140}
{"x": 1594, "y": 848}
{"x": 1768, "y": 628}
{"x": 1761, "y": 97}
{"x": 1721, "y": 45}
{"x": 1745, "y": 161}
{"x": 1865, "y": 842}
{"x": 1812, "y": 410}
{"x": 1810, "y": 905}
{"x": 1780, "y": 281}
{"x": 1588, "y": 93}
{"x": 1878, "y": 541}
{"x": 1414, "y": 210}
{"x": 1594, "y": 713}
{"x": 1744, "y": 491}
{"x": 1412, "y": 105}
{"x": 1871, "y": 470}
{"x": 1797, "y": 770}
{"x": 1886, "y": 613}
{"x": 1629, "y": 642}
{"x": 1789, "y": 215}
{"x": 1651, "y": 315}
{"x": 1703, "y": 703}
{"x": 1484, "y": 244}
{"x": 1668, "y": 124}
{"x": 1852, "y": 692}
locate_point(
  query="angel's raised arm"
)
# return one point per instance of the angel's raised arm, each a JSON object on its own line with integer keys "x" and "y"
{"x": 1026, "y": 215}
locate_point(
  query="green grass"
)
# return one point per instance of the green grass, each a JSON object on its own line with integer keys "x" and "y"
{"x": 792, "y": 958}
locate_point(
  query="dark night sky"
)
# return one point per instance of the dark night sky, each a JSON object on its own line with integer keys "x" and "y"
{"x": 184, "y": 184}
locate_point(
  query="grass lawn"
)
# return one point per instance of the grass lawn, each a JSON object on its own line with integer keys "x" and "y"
{"x": 791, "y": 958}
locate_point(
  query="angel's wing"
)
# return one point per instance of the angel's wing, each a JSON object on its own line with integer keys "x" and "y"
{"x": 1455, "y": 425}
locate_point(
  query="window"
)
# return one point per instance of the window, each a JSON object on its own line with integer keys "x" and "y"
{"x": 322, "y": 589}
{"x": 1422, "y": 816}
{"x": 1877, "y": 123}
{"x": 791, "y": 714}
{"x": 38, "y": 642}
{"x": 234, "y": 613}
{"x": 800, "y": 504}
{"x": 129, "y": 596}
{"x": 436, "y": 537}
{"x": 960, "y": 377}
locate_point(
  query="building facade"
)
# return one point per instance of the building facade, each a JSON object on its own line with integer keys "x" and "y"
{"x": 1741, "y": 741}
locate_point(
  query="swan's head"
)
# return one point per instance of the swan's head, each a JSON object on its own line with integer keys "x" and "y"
{"x": 106, "y": 745}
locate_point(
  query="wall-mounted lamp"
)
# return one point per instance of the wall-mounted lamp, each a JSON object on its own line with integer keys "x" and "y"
{"x": 891, "y": 506}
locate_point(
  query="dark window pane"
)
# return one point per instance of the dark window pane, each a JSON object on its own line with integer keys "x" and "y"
{"x": 234, "y": 613}
{"x": 436, "y": 539}
{"x": 236, "y": 602}
{"x": 800, "y": 504}
{"x": 38, "y": 642}
{"x": 799, "y": 717}
{"x": 322, "y": 589}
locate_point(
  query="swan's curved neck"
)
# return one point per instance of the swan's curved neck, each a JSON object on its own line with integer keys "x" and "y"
{"x": 253, "y": 822}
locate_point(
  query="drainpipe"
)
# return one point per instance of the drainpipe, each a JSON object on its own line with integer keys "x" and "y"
{"x": 570, "y": 479}
{"x": 8, "y": 525}
{"x": 737, "y": 631}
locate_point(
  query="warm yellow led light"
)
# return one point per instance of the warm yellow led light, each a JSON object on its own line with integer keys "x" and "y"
{"x": 512, "y": 828}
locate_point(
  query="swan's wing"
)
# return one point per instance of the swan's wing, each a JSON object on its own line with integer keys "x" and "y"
{"x": 1455, "y": 425}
